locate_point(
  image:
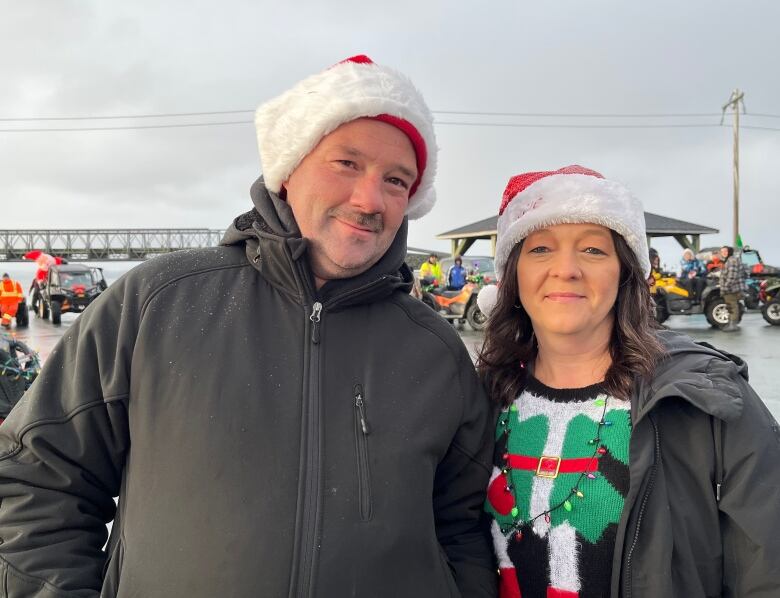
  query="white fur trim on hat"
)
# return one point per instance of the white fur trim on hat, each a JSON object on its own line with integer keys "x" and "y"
{"x": 572, "y": 199}
{"x": 291, "y": 125}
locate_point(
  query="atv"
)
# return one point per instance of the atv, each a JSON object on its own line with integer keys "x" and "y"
{"x": 671, "y": 299}
{"x": 19, "y": 366}
{"x": 22, "y": 315}
{"x": 770, "y": 296}
{"x": 69, "y": 288}
{"x": 456, "y": 306}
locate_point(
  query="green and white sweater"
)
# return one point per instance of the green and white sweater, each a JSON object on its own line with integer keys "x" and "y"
{"x": 557, "y": 491}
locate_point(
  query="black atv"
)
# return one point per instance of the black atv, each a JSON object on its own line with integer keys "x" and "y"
{"x": 69, "y": 288}
{"x": 770, "y": 296}
{"x": 22, "y": 315}
{"x": 19, "y": 366}
{"x": 671, "y": 299}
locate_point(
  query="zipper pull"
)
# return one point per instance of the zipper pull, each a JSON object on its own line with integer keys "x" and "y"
{"x": 316, "y": 310}
{"x": 360, "y": 405}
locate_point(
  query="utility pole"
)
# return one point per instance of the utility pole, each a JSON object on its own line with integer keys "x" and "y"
{"x": 734, "y": 101}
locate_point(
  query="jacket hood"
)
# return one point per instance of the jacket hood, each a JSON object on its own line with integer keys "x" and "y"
{"x": 274, "y": 245}
{"x": 710, "y": 379}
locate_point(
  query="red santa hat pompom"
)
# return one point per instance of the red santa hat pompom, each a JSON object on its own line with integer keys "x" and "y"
{"x": 291, "y": 125}
{"x": 570, "y": 195}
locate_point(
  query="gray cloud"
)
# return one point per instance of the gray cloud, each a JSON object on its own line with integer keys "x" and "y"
{"x": 67, "y": 57}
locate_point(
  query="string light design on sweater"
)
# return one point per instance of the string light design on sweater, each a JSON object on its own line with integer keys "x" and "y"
{"x": 544, "y": 469}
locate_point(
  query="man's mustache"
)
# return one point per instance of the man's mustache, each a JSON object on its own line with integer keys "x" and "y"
{"x": 373, "y": 222}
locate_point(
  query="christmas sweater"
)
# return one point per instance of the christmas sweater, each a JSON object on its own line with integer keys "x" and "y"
{"x": 557, "y": 491}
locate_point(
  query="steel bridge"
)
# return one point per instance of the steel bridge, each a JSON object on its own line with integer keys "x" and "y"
{"x": 104, "y": 244}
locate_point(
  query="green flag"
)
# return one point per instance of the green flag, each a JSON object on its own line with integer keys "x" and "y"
{"x": 739, "y": 241}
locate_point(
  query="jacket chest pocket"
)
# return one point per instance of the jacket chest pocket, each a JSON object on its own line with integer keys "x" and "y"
{"x": 362, "y": 432}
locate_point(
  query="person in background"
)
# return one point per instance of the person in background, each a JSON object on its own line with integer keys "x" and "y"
{"x": 692, "y": 275}
{"x": 430, "y": 271}
{"x": 732, "y": 285}
{"x": 655, "y": 267}
{"x": 266, "y": 410}
{"x": 716, "y": 261}
{"x": 11, "y": 294}
{"x": 456, "y": 275}
{"x": 630, "y": 461}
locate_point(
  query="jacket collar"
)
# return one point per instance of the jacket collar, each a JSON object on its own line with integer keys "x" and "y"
{"x": 708, "y": 378}
{"x": 275, "y": 247}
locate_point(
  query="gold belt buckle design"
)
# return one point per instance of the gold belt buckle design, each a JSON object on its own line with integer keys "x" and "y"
{"x": 548, "y": 467}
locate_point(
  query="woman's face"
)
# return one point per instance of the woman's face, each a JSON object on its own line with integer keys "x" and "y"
{"x": 567, "y": 279}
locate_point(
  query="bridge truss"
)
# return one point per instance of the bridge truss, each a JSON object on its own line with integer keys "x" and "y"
{"x": 104, "y": 244}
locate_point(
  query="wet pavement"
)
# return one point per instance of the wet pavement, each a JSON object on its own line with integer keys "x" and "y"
{"x": 756, "y": 342}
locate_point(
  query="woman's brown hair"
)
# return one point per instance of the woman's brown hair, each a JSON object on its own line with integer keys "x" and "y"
{"x": 510, "y": 342}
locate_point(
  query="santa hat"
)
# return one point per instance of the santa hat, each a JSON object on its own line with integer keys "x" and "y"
{"x": 291, "y": 125}
{"x": 571, "y": 195}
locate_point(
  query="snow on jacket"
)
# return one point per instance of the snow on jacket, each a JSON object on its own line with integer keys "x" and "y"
{"x": 266, "y": 441}
{"x": 701, "y": 517}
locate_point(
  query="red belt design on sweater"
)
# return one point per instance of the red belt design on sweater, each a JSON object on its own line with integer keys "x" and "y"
{"x": 550, "y": 467}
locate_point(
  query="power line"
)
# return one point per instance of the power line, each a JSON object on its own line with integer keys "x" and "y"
{"x": 569, "y": 126}
{"x": 759, "y": 128}
{"x": 125, "y": 128}
{"x": 447, "y": 123}
{"x": 449, "y": 112}
{"x": 581, "y": 115}
{"x": 762, "y": 115}
{"x": 124, "y": 116}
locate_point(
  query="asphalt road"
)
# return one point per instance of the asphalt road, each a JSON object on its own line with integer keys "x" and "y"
{"x": 756, "y": 342}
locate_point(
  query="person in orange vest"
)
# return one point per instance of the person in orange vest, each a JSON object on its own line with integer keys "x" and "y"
{"x": 11, "y": 295}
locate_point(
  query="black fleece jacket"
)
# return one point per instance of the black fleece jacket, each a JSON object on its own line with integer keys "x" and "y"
{"x": 263, "y": 439}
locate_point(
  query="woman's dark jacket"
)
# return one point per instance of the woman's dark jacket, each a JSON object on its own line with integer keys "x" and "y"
{"x": 263, "y": 440}
{"x": 702, "y": 516}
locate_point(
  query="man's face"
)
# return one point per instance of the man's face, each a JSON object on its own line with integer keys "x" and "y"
{"x": 724, "y": 252}
{"x": 349, "y": 196}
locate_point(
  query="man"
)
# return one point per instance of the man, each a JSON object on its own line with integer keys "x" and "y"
{"x": 732, "y": 285}
{"x": 431, "y": 269}
{"x": 266, "y": 410}
{"x": 11, "y": 294}
{"x": 456, "y": 275}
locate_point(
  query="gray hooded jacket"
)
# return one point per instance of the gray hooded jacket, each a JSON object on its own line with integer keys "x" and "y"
{"x": 263, "y": 439}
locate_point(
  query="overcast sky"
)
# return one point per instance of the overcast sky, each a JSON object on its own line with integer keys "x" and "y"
{"x": 87, "y": 58}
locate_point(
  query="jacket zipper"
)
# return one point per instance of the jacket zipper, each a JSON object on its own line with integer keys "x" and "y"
{"x": 361, "y": 447}
{"x": 316, "y": 311}
{"x": 645, "y": 498}
{"x": 312, "y": 465}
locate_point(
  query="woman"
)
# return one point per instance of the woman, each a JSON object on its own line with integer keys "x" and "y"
{"x": 630, "y": 461}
